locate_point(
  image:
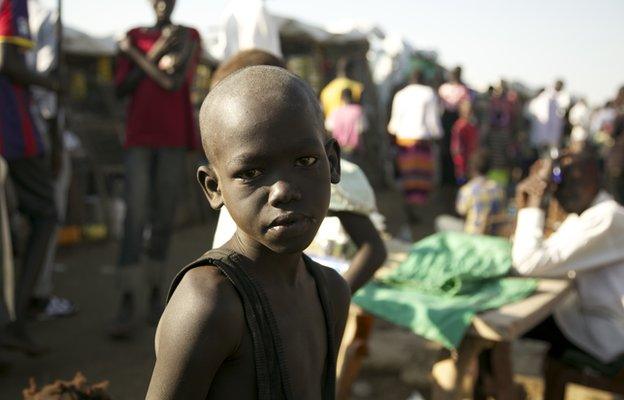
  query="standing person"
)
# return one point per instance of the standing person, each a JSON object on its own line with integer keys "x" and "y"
{"x": 500, "y": 132}
{"x": 156, "y": 68}
{"x": 579, "y": 119}
{"x": 415, "y": 124}
{"x": 346, "y": 124}
{"x": 547, "y": 113}
{"x": 45, "y": 59}
{"x": 464, "y": 141}
{"x": 22, "y": 145}
{"x": 451, "y": 93}
{"x": 331, "y": 94}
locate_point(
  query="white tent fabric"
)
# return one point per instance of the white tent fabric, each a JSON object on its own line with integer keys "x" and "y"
{"x": 247, "y": 25}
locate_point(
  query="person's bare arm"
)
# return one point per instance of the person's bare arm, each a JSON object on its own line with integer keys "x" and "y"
{"x": 12, "y": 65}
{"x": 371, "y": 251}
{"x": 170, "y": 78}
{"x": 340, "y": 296}
{"x": 201, "y": 326}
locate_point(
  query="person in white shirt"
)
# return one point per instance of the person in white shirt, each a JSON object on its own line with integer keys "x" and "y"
{"x": 588, "y": 247}
{"x": 579, "y": 119}
{"x": 415, "y": 124}
{"x": 547, "y": 112}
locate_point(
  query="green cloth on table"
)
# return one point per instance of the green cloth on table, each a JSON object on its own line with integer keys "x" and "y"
{"x": 446, "y": 279}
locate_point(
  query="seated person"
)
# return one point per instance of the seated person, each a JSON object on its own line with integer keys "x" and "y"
{"x": 587, "y": 246}
{"x": 481, "y": 201}
{"x": 256, "y": 319}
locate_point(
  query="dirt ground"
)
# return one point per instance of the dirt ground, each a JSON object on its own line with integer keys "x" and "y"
{"x": 397, "y": 368}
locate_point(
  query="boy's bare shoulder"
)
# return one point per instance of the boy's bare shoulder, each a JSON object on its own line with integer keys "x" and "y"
{"x": 204, "y": 303}
{"x": 338, "y": 291}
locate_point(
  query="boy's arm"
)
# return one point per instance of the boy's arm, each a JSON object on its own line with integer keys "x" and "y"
{"x": 371, "y": 251}
{"x": 201, "y": 326}
{"x": 13, "y": 66}
{"x": 340, "y": 296}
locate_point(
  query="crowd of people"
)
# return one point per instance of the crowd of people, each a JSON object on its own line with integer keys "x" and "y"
{"x": 543, "y": 168}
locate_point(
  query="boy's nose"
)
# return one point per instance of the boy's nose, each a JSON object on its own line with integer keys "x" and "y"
{"x": 283, "y": 192}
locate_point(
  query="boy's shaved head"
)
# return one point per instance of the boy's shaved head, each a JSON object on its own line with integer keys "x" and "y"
{"x": 270, "y": 163}
{"x": 252, "y": 97}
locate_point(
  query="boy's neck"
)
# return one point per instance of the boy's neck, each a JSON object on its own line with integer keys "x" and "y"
{"x": 274, "y": 267}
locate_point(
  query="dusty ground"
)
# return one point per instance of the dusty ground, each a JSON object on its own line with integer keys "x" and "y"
{"x": 397, "y": 368}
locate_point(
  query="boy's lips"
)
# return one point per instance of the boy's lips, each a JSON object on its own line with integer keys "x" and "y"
{"x": 291, "y": 223}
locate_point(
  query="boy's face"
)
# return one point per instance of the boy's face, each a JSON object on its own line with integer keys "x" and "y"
{"x": 274, "y": 172}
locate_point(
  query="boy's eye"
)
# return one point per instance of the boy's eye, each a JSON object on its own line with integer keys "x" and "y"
{"x": 249, "y": 174}
{"x": 306, "y": 161}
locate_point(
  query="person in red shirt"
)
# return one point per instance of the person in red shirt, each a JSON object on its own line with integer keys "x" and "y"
{"x": 155, "y": 68}
{"x": 464, "y": 141}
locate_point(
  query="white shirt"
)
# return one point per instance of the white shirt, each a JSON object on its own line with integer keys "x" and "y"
{"x": 415, "y": 114}
{"x": 546, "y": 112}
{"x": 579, "y": 118}
{"x": 589, "y": 248}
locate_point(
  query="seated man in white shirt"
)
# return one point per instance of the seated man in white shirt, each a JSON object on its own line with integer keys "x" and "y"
{"x": 588, "y": 247}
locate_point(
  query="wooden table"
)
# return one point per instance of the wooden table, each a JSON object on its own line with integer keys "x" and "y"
{"x": 454, "y": 374}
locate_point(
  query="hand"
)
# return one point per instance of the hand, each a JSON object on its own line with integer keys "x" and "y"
{"x": 125, "y": 44}
{"x": 167, "y": 63}
{"x": 530, "y": 192}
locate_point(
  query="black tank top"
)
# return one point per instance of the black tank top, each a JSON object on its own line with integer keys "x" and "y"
{"x": 272, "y": 377}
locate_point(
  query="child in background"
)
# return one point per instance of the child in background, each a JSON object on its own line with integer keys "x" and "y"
{"x": 464, "y": 141}
{"x": 481, "y": 200}
{"x": 346, "y": 124}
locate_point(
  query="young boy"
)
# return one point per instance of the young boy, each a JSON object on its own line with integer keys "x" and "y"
{"x": 255, "y": 319}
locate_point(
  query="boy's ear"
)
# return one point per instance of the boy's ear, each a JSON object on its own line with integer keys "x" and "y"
{"x": 332, "y": 148}
{"x": 209, "y": 183}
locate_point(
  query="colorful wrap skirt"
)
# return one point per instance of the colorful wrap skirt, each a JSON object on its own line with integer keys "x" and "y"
{"x": 416, "y": 164}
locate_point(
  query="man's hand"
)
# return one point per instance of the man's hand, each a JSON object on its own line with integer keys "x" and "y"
{"x": 530, "y": 191}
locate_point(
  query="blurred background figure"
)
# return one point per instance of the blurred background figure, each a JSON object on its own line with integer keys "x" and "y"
{"x": 24, "y": 148}
{"x": 44, "y": 58}
{"x": 464, "y": 141}
{"x": 547, "y": 113}
{"x": 415, "y": 125}
{"x": 347, "y": 123}
{"x": 451, "y": 93}
{"x": 156, "y": 69}
{"x": 331, "y": 95}
{"x": 500, "y": 132}
{"x": 579, "y": 119}
{"x": 481, "y": 201}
